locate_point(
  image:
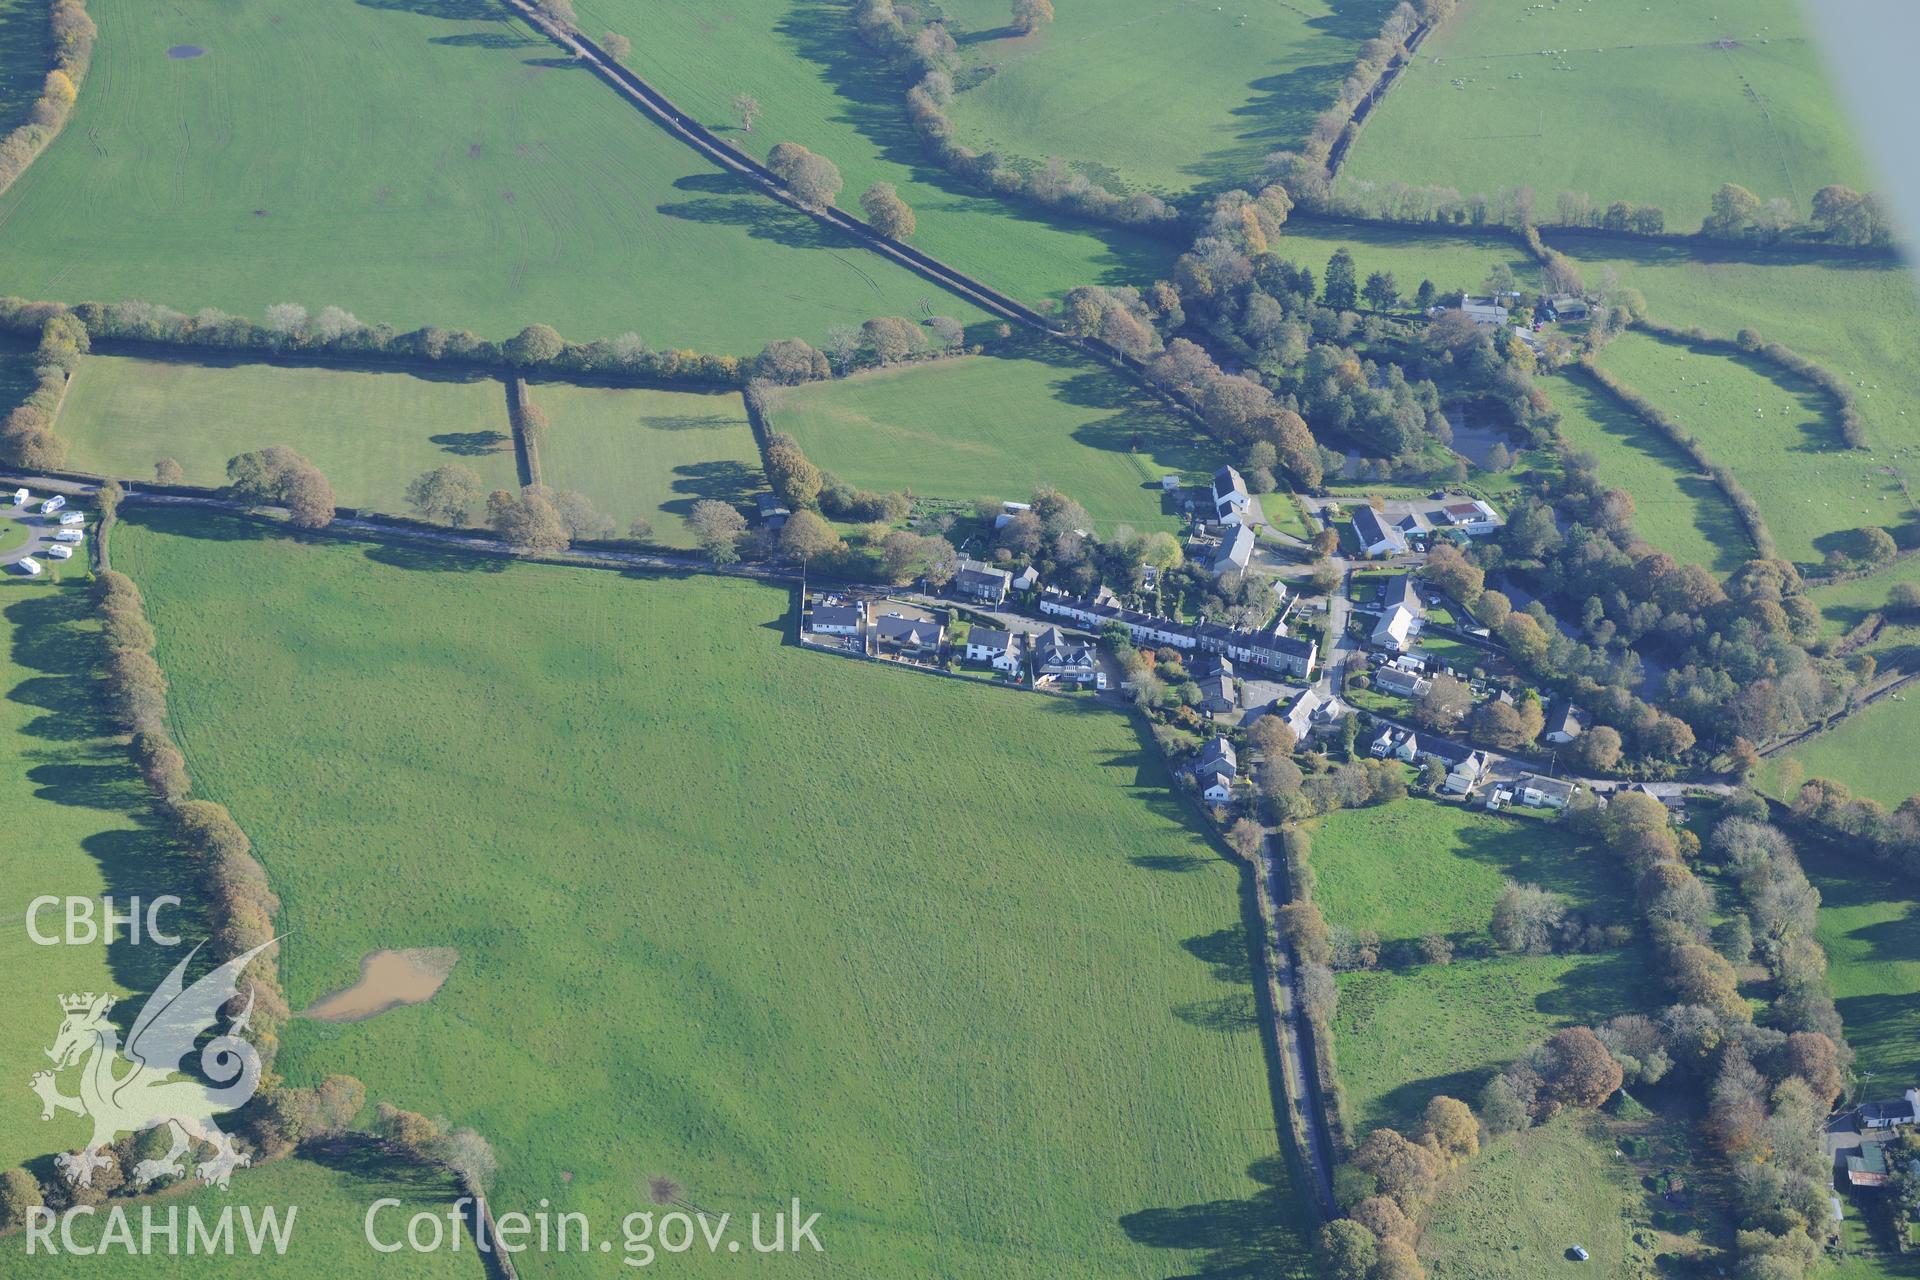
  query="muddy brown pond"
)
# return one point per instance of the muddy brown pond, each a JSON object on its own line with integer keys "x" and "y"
{"x": 388, "y": 979}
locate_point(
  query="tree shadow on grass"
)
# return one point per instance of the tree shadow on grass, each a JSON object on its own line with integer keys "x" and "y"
{"x": 422, "y": 559}
{"x": 1264, "y": 1235}
{"x": 83, "y": 765}
{"x": 723, "y": 480}
{"x": 447, "y": 10}
{"x": 690, "y": 421}
{"x": 484, "y": 40}
{"x": 1177, "y": 862}
{"x": 761, "y": 218}
{"x": 473, "y": 444}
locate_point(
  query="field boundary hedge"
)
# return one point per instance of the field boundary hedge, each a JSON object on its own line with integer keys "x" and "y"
{"x": 525, "y": 447}
{"x": 72, "y": 32}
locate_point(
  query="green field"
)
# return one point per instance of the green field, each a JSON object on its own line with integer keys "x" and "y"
{"x": 1512, "y": 93}
{"x": 1416, "y": 867}
{"x": 718, "y": 903}
{"x": 1870, "y": 927}
{"x": 1513, "y": 1212}
{"x": 1453, "y": 260}
{"x": 818, "y": 86}
{"x": 1146, "y": 95}
{"x": 79, "y": 814}
{"x": 648, "y": 454}
{"x": 329, "y": 1197}
{"x": 369, "y": 433}
{"x": 26, "y": 53}
{"x": 1773, "y": 436}
{"x": 519, "y": 189}
{"x": 1676, "y": 508}
{"x": 1844, "y": 605}
{"x": 977, "y": 426}
{"x": 1872, "y": 751}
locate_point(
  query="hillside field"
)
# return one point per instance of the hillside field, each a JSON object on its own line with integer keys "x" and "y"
{"x": 1870, "y": 927}
{"x": 369, "y": 433}
{"x": 1511, "y": 93}
{"x": 520, "y": 189}
{"x": 1774, "y": 437}
{"x": 987, "y": 426}
{"x": 818, "y": 86}
{"x": 717, "y": 903}
{"x": 648, "y": 455}
{"x": 1417, "y": 867}
{"x": 1677, "y": 509}
{"x": 1146, "y": 95}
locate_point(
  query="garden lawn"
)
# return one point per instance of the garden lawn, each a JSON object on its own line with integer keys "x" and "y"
{"x": 369, "y": 433}
{"x": 328, "y": 1198}
{"x": 1145, "y": 95}
{"x": 648, "y": 455}
{"x": 1417, "y": 867}
{"x": 1774, "y": 437}
{"x": 1514, "y": 1211}
{"x": 77, "y": 810}
{"x": 818, "y": 85}
{"x": 718, "y": 903}
{"x": 1510, "y": 93}
{"x": 1870, "y": 927}
{"x": 1677, "y": 509}
{"x": 303, "y": 159}
{"x": 984, "y": 425}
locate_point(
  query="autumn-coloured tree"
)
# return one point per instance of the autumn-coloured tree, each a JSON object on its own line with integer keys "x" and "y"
{"x": 890, "y": 215}
{"x": 1580, "y": 1071}
{"x": 1448, "y": 1125}
{"x": 1030, "y": 15}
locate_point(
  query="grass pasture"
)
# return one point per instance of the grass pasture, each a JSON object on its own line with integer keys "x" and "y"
{"x": 1872, "y": 751}
{"x": 1416, "y": 867}
{"x": 519, "y": 189}
{"x": 329, "y": 1196}
{"x": 648, "y": 454}
{"x": 1145, "y": 95}
{"x": 1870, "y": 927}
{"x": 79, "y": 811}
{"x": 984, "y": 425}
{"x": 1774, "y": 437}
{"x": 1707, "y": 96}
{"x": 818, "y": 86}
{"x": 670, "y": 965}
{"x": 1676, "y": 508}
{"x": 369, "y": 433}
{"x": 1513, "y": 1211}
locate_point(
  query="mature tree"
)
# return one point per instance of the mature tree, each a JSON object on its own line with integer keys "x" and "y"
{"x": 530, "y": 520}
{"x": 1340, "y": 291}
{"x": 806, "y": 534}
{"x": 336, "y": 1102}
{"x": 747, "y": 107}
{"x": 469, "y": 1157}
{"x": 889, "y": 214}
{"x": 813, "y": 179}
{"x": 794, "y": 477}
{"x": 790, "y": 361}
{"x": 1815, "y": 1059}
{"x": 1385, "y": 1219}
{"x": 717, "y": 527}
{"x": 1526, "y": 919}
{"x": 892, "y": 338}
{"x": 278, "y": 475}
{"x": 1733, "y": 206}
{"x": 1162, "y": 550}
{"x": 449, "y": 494}
{"x": 1449, "y": 569}
{"x": 19, "y": 1195}
{"x": 1599, "y": 747}
{"x": 1030, "y": 15}
{"x": 1903, "y": 601}
{"x": 582, "y": 520}
{"x": 1443, "y": 703}
{"x": 1272, "y": 736}
{"x": 1398, "y": 1261}
{"x": 616, "y": 45}
{"x": 1424, "y": 296}
{"x": 1499, "y": 458}
{"x": 1874, "y": 545}
{"x": 1497, "y": 724}
{"x": 1347, "y": 1250}
{"x": 309, "y": 499}
{"x": 1580, "y": 1071}
{"x": 1382, "y": 291}
{"x": 410, "y": 1131}
{"x": 1737, "y": 1105}
{"x": 1702, "y": 976}
{"x": 534, "y": 345}
{"x": 167, "y": 471}
{"x": 1405, "y": 1171}
{"x": 1502, "y": 1108}
{"x": 1450, "y": 1127}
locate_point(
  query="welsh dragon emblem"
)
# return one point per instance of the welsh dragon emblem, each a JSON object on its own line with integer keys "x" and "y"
{"x": 153, "y": 1092}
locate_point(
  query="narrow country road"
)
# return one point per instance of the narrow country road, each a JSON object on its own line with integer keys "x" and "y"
{"x": 1293, "y": 1034}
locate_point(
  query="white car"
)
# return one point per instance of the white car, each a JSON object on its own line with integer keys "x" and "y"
{"x": 59, "y": 551}
{"x": 73, "y": 517}
{"x": 53, "y": 504}
{"x": 69, "y": 536}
